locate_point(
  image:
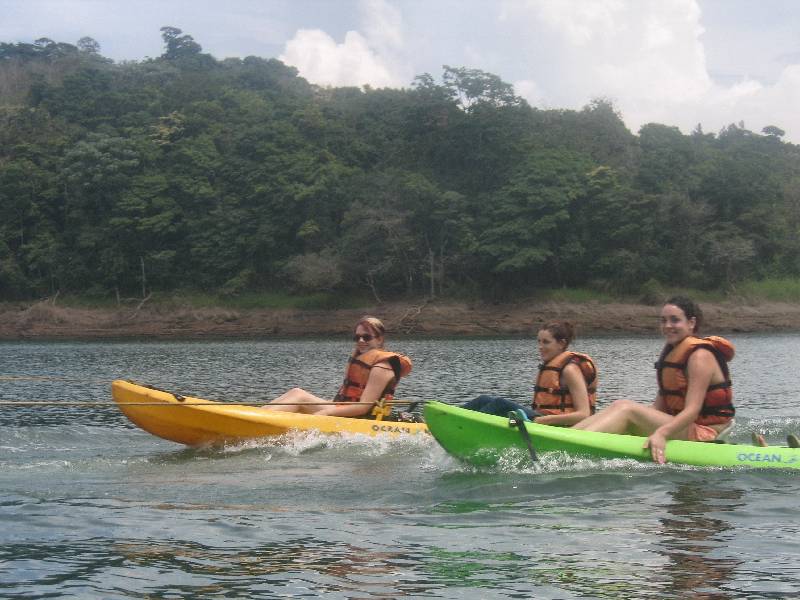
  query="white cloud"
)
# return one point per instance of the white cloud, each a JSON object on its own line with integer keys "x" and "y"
{"x": 578, "y": 20}
{"x": 383, "y": 25}
{"x": 530, "y": 91}
{"x": 758, "y": 105}
{"x": 649, "y": 57}
{"x": 374, "y": 58}
{"x": 321, "y": 60}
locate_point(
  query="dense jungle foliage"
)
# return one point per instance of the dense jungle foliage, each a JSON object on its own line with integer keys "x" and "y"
{"x": 187, "y": 172}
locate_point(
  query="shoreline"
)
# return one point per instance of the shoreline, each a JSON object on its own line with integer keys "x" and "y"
{"x": 46, "y": 321}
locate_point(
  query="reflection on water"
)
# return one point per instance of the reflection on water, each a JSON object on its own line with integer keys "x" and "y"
{"x": 690, "y": 537}
{"x": 309, "y": 564}
{"x": 180, "y": 569}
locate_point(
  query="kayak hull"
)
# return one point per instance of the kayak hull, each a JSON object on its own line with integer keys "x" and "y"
{"x": 482, "y": 439}
{"x": 197, "y": 422}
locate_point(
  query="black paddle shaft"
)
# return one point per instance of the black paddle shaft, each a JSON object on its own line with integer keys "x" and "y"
{"x": 515, "y": 421}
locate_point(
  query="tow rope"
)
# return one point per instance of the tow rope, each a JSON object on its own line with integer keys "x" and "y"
{"x": 178, "y": 397}
{"x": 516, "y": 420}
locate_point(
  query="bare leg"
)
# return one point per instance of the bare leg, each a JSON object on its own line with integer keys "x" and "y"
{"x": 626, "y": 416}
{"x": 588, "y": 424}
{"x": 297, "y": 400}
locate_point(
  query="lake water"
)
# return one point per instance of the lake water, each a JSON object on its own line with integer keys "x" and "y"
{"x": 91, "y": 507}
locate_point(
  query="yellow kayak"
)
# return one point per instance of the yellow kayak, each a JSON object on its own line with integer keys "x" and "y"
{"x": 198, "y": 422}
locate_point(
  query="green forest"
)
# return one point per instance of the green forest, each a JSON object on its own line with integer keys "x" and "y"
{"x": 235, "y": 176}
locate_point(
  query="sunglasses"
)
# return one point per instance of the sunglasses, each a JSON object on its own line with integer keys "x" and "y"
{"x": 363, "y": 336}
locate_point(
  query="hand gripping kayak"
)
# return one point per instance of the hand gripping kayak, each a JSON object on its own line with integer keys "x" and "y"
{"x": 517, "y": 418}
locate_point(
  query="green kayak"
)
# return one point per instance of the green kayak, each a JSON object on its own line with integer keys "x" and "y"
{"x": 482, "y": 439}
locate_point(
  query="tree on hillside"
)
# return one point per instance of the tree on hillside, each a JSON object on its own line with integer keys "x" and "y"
{"x": 524, "y": 223}
{"x": 773, "y": 131}
{"x": 471, "y": 87}
{"x": 88, "y": 45}
{"x": 177, "y": 44}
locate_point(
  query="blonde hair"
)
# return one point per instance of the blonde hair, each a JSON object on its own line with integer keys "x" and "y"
{"x": 374, "y": 324}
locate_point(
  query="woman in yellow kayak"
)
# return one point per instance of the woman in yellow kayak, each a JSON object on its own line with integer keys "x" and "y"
{"x": 565, "y": 387}
{"x": 372, "y": 374}
{"x": 695, "y": 398}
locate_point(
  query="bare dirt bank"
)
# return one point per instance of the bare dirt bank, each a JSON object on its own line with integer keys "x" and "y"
{"x": 44, "y": 320}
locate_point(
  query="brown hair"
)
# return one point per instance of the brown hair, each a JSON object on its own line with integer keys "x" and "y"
{"x": 561, "y": 331}
{"x": 689, "y": 308}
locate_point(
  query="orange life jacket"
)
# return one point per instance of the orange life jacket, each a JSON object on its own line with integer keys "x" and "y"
{"x": 552, "y": 398}
{"x": 359, "y": 367}
{"x": 672, "y": 379}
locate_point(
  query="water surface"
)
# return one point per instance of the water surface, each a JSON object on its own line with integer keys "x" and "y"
{"x": 91, "y": 507}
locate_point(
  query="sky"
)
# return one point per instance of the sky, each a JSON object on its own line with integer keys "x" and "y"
{"x": 675, "y": 62}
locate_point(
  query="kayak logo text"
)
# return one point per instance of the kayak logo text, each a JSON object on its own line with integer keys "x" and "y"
{"x": 759, "y": 457}
{"x": 391, "y": 429}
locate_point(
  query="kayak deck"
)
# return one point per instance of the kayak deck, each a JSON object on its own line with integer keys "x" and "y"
{"x": 481, "y": 439}
{"x": 198, "y": 422}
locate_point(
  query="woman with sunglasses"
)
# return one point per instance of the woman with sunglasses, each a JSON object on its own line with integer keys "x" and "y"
{"x": 565, "y": 388}
{"x": 372, "y": 374}
{"x": 695, "y": 397}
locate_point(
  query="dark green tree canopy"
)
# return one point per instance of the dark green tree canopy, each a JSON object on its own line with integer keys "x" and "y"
{"x": 184, "y": 171}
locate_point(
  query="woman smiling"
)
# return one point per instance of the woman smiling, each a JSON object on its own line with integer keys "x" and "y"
{"x": 565, "y": 387}
{"x": 695, "y": 397}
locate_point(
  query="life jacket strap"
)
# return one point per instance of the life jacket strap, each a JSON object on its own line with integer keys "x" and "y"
{"x": 719, "y": 411}
{"x": 660, "y": 364}
{"x": 351, "y": 383}
{"x": 556, "y": 392}
{"x": 720, "y": 386}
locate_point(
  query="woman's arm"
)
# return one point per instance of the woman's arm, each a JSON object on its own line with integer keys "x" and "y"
{"x": 380, "y": 376}
{"x": 573, "y": 379}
